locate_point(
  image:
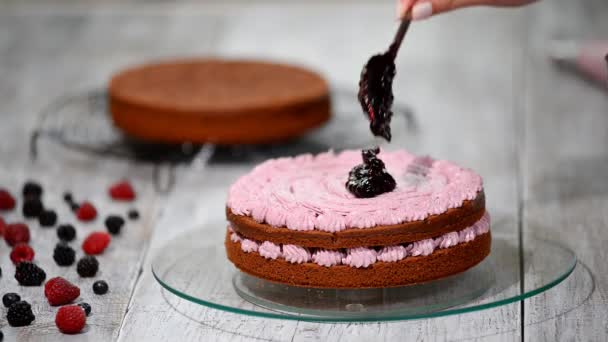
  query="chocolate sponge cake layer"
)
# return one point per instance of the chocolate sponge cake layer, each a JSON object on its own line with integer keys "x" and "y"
{"x": 218, "y": 101}
{"x": 433, "y": 226}
{"x": 411, "y": 270}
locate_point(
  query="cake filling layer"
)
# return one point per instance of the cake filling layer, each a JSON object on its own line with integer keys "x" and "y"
{"x": 361, "y": 256}
{"x": 307, "y": 192}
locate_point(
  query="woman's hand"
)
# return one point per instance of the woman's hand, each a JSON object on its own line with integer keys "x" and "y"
{"x": 422, "y": 9}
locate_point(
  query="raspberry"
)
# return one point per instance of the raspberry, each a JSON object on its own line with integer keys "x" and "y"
{"x": 114, "y": 224}
{"x": 7, "y": 201}
{"x": 100, "y": 287}
{"x": 15, "y": 233}
{"x": 10, "y": 298}
{"x": 47, "y": 218}
{"x": 28, "y": 274}
{"x": 122, "y": 191}
{"x": 32, "y": 190}
{"x": 63, "y": 254}
{"x": 2, "y": 226}
{"x": 66, "y": 232}
{"x": 86, "y": 307}
{"x": 20, "y": 314}
{"x": 86, "y": 212}
{"x": 59, "y": 291}
{"x": 22, "y": 252}
{"x": 70, "y": 319}
{"x": 32, "y": 207}
{"x": 96, "y": 243}
{"x": 87, "y": 266}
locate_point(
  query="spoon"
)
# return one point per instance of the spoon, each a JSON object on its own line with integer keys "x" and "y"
{"x": 376, "y": 86}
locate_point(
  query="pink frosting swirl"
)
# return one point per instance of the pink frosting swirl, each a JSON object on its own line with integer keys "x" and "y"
{"x": 269, "y": 250}
{"x": 392, "y": 253}
{"x": 447, "y": 240}
{"x": 360, "y": 257}
{"x": 249, "y": 246}
{"x": 307, "y": 192}
{"x": 424, "y": 247}
{"x": 296, "y": 254}
{"x": 327, "y": 258}
{"x": 466, "y": 235}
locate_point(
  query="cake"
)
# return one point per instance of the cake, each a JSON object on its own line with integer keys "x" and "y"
{"x": 217, "y": 101}
{"x": 293, "y": 221}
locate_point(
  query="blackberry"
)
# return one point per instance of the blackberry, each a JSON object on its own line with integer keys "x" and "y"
{"x": 1, "y": 336}
{"x": 28, "y": 274}
{"x": 370, "y": 178}
{"x": 87, "y": 266}
{"x": 133, "y": 214}
{"x": 32, "y": 190}
{"x": 100, "y": 287}
{"x": 20, "y": 314}
{"x": 47, "y": 218}
{"x": 74, "y": 207}
{"x": 9, "y": 298}
{"x": 114, "y": 224}
{"x": 63, "y": 254}
{"x": 68, "y": 198}
{"x": 86, "y": 307}
{"x": 376, "y": 93}
{"x": 32, "y": 207}
{"x": 66, "y": 232}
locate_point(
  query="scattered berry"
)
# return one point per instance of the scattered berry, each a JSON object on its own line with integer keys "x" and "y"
{"x": 133, "y": 214}
{"x": 20, "y": 314}
{"x": 32, "y": 207}
{"x": 68, "y": 198}
{"x": 9, "y": 298}
{"x": 63, "y": 254}
{"x": 114, "y": 224}
{"x": 74, "y": 207}
{"x": 86, "y": 212}
{"x": 28, "y": 274}
{"x": 15, "y": 233}
{"x": 7, "y": 201}
{"x": 59, "y": 291}
{"x": 47, "y": 218}
{"x": 2, "y": 226}
{"x": 100, "y": 287}
{"x": 32, "y": 190}
{"x": 96, "y": 243}
{"x": 86, "y": 307}
{"x": 1, "y": 336}
{"x": 122, "y": 191}
{"x": 87, "y": 266}
{"x": 22, "y": 252}
{"x": 70, "y": 319}
{"x": 66, "y": 232}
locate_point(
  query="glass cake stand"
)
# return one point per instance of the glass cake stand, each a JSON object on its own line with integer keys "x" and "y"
{"x": 194, "y": 267}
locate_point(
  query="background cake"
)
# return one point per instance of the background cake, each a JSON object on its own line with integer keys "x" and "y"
{"x": 218, "y": 101}
{"x": 292, "y": 220}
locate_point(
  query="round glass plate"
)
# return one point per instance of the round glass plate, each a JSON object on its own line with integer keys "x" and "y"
{"x": 194, "y": 267}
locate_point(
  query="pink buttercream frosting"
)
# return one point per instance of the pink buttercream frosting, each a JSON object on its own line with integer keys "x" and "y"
{"x": 327, "y": 258}
{"x": 269, "y": 250}
{"x": 360, "y": 257}
{"x": 308, "y": 192}
{"x": 365, "y": 256}
{"x": 296, "y": 254}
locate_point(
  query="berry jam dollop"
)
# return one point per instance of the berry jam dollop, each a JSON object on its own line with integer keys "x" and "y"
{"x": 376, "y": 93}
{"x": 370, "y": 179}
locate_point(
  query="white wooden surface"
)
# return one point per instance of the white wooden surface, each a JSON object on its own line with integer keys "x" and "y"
{"x": 477, "y": 80}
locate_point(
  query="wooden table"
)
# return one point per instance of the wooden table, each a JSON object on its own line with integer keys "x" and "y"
{"x": 478, "y": 81}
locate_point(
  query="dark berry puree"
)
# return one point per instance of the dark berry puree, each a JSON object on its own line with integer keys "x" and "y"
{"x": 376, "y": 93}
{"x": 370, "y": 179}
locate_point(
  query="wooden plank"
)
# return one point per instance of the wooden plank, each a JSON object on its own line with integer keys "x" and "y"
{"x": 566, "y": 177}
{"x": 475, "y": 108}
